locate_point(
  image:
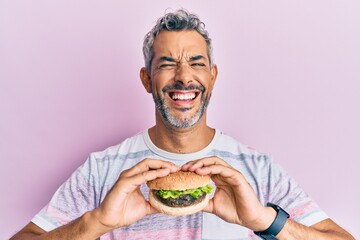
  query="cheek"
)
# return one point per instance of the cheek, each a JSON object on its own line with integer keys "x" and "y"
{"x": 207, "y": 81}
{"x": 162, "y": 78}
{"x": 157, "y": 87}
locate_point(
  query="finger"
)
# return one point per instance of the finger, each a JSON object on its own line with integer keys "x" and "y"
{"x": 227, "y": 174}
{"x": 193, "y": 165}
{"x": 153, "y": 174}
{"x": 151, "y": 210}
{"x": 187, "y": 165}
{"x": 209, "y": 207}
{"x": 133, "y": 182}
{"x": 217, "y": 170}
{"x": 150, "y": 164}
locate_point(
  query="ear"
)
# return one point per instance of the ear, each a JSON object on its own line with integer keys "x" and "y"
{"x": 145, "y": 79}
{"x": 214, "y": 73}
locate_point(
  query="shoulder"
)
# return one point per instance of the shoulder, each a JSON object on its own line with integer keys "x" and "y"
{"x": 107, "y": 164}
{"x": 227, "y": 145}
{"x": 118, "y": 157}
{"x": 129, "y": 145}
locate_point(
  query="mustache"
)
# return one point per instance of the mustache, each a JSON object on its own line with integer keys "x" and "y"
{"x": 178, "y": 86}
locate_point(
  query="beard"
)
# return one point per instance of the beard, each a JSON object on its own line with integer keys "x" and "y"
{"x": 181, "y": 121}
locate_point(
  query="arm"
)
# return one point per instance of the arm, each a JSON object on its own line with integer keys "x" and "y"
{"x": 326, "y": 229}
{"x": 244, "y": 208}
{"x": 122, "y": 206}
{"x": 85, "y": 227}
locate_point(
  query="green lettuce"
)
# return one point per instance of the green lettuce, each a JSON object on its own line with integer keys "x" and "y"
{"x": 195, "y": 193}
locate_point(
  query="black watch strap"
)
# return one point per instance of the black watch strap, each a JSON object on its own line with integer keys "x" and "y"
{"x": 276, "y": 226}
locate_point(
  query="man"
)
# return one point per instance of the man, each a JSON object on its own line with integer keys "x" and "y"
{"x": 106, "y": 198}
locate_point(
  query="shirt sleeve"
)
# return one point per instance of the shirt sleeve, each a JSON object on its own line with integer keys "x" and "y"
{"x": 285, "y": 191}
{"x": 74, "y": 197}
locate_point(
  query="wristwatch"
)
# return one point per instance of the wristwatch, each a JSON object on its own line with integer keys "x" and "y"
{"x": 276, "y": 226}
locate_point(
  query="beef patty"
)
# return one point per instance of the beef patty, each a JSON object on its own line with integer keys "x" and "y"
{"x": 182, "y": 201}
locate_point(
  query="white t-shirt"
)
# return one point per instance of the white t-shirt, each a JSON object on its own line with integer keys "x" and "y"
{"x": 89, "y": 184}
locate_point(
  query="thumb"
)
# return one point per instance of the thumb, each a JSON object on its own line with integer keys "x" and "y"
{"x": 209, "y": 207}
{"x": 151, "y": 210}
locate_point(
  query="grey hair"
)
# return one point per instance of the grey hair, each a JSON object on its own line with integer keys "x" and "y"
{"x": 176, "y": 21}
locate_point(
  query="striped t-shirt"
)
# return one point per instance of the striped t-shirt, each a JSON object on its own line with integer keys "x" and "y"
{"x": 89, "y": 184}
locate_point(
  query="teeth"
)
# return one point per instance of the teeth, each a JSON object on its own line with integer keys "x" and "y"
{"x": 183, "y": 96}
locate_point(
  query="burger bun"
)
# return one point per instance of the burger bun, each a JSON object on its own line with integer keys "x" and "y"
{"x": 178, "y": 181}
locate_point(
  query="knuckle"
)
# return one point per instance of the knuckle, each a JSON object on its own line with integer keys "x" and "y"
{"x": 124, "y": 173}
{"x": 146, "y": 162}
{"x": 144, "y": 175}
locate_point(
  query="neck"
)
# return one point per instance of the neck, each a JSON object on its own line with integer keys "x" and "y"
{"x": 182, "y": 140}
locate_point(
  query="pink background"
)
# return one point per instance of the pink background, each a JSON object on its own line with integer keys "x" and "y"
{"x": 288, "y": 85}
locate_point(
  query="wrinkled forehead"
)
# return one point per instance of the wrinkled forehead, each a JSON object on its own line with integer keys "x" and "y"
{"x": 179, "y": 45}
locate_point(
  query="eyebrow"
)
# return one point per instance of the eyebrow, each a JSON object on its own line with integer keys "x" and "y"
{"x": 198, "y": 57}
{"x": 170, "y": 59}
{"x": 167, "y": 59}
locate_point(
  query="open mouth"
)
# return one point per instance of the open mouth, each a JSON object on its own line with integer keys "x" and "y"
{"x": 183, "y": 96}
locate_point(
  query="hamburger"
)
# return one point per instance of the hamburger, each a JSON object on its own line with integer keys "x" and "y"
{"x": 180, "y": 193}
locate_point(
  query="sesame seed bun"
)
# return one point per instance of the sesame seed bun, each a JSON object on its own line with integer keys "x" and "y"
{"x": 179, "y": 181}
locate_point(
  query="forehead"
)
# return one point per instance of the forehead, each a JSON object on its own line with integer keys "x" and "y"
{"x": 179, "y": 44}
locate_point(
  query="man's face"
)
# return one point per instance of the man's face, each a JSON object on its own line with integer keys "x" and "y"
{"x": 181, "y": 77}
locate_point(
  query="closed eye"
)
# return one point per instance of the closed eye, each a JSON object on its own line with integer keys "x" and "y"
{"x": 198, "y": 64}
{"x": 167, "y": 66}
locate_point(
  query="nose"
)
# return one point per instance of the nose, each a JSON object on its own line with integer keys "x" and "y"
{"x": 184, "y": 74}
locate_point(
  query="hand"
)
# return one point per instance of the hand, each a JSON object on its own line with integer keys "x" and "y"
{"x": 125, "y": 204}
{"x": 234, "y": 200}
